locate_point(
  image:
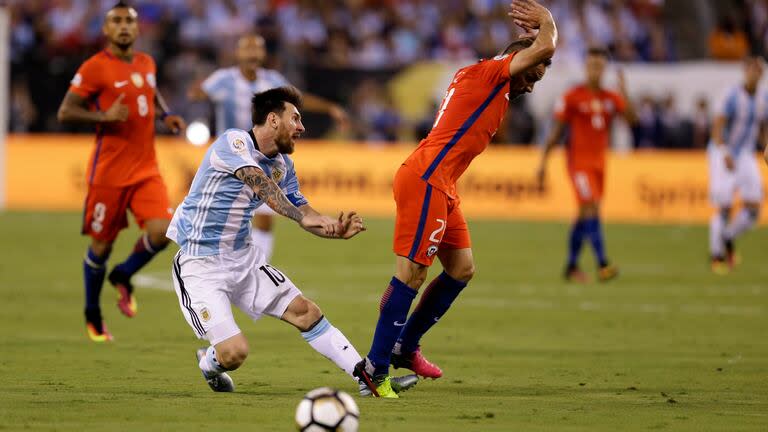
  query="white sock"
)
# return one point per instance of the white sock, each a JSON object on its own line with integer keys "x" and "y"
{"x": 264, "y": 240}
{"x": 716, "y": 227}
{"x": 330, "y": 342}
{"x": 742, "y": 222}
{"x": 209, "y": 364}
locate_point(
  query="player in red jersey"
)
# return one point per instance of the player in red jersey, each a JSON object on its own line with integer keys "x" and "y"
{"x": 429, "y": 220}
{"x": 588, "y": 109}
{"x": 116, "y": 91}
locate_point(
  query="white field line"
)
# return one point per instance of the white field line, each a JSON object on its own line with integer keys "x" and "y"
{"x": 529, "y": 300}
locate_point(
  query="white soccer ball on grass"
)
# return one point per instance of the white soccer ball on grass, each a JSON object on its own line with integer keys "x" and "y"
{"x": 327, "y": 409}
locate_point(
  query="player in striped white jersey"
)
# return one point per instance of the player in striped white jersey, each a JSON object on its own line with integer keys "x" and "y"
{"x": 230, "y": 90}
{"x": 217, "y": 265}
{"x": 740, "y": 120}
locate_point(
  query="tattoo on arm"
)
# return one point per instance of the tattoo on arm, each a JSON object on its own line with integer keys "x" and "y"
{"x": 269, "y": 192}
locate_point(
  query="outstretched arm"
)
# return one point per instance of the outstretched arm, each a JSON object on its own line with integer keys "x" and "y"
{"x": 531, "y": 16}
{"x": 75, "y": 109}
{"x": 269, "y": 192}
{"x": 318, "y": 104}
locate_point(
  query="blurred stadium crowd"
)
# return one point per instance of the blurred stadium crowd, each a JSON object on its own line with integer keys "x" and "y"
{"x": 360, "y": 44}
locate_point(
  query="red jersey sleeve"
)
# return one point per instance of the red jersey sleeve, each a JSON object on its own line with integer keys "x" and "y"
{"x": 495, "y": 70}
{"x": 564, "y": 108}
{"x": 88, "y": 81}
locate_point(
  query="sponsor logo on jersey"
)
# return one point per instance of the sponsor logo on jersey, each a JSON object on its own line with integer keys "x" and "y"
{"x": 119, "y": 84}
{"x": 137, "y": 80}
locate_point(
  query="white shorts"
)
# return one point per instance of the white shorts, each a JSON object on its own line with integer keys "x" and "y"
{"x": 207, "y": 286}
{"x": 744, "y": 179}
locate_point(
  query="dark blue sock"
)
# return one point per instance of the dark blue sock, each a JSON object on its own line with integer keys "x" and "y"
{"x": 595, "y": 234}
{"x": 93, "y": 270}
{"x": 434, "y": 303}
{"x": 393, "y": 311}
{"x": 575, "y": 241}
{"x": 143, "y": 252}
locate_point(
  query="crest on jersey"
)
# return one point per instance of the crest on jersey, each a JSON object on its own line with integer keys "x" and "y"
{"x": 238, "y": 145}
{"x": 205, "y": 314}
{"x": 151, "y": 80}
{"x": 431, "y": 250}
{"x": 137, "y": 80}
{"x": 277, "y": 174}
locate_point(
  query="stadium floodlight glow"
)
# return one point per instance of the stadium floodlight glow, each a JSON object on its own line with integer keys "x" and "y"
{"x": 198, "y": 133}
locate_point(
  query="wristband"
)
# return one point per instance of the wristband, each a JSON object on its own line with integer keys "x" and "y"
{"x": 166, "y": 114}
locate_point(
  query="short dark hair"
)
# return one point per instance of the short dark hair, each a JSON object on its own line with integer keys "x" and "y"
{"x": 522, "y": 44}
{"x": 273, "y": 101}
{"x": 120, "y": 4}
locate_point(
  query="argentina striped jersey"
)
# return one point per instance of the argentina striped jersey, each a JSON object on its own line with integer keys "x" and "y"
{"x": 215, "y": 216}
{"x": 744, "y": 113}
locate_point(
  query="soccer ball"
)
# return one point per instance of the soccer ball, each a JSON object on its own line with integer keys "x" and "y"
{"x": 327, "y": 409}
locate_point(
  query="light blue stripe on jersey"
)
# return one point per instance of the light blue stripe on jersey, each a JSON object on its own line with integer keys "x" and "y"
{"x": 743, "y": 113}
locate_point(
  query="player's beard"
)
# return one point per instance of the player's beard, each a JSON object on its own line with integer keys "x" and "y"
{"x": 284, "y": 142}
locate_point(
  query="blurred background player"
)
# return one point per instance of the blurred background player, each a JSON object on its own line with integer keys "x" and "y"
{"x": 588, "y": 110}
{"x": 740, "y": 119}
{"x": 241, "y": 171}
{"x": 230, "y": 90}
{"x": 116, "y": 91}
{"x": 429, "y": 222}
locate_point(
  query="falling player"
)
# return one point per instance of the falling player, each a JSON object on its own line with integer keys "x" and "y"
{"x": 218, "y": 265}
{"x": 116, "y": 91}
{"x": 230, "y": 90}
{"x": 588, "y": 109}
{"x": 739, "y": 117}
{"x": 429, "y": 220}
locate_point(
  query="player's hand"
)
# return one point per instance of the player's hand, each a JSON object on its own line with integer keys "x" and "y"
{"x": 118, "y": 111}
{"x": 528, "y": 14}
{"x": 728, "y": 159}
{"x": 175, "y": 123}
{"x": 350, "y": 225}
{"x": 325, "y": 225}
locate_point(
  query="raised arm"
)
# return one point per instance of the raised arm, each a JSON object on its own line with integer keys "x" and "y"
{"x": 74, "y": 109}
{"x": 532, "y": 16}
{"x": 630, "y": 115}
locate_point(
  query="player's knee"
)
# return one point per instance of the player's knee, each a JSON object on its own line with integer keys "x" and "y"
{"x": 101, "y": 248}
{"x": 233, "y": 355}
{"x": 309, "y": 315}
{"x": 462, "y": 272}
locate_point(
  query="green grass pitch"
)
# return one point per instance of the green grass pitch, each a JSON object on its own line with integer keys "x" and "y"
{"x": 668, "y": 346}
